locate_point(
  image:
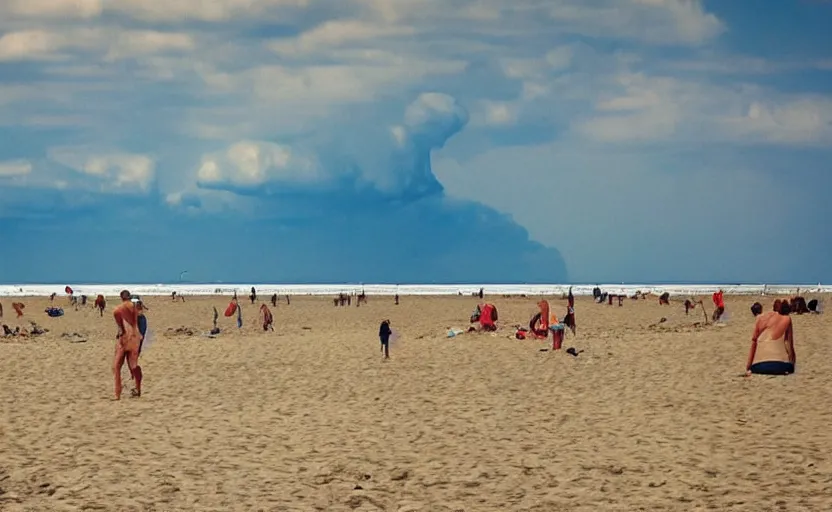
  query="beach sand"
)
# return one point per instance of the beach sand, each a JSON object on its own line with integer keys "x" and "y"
{"x": 310, "y": 418}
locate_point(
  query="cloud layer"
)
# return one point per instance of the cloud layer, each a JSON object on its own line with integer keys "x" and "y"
{"x": 584, "y": 122}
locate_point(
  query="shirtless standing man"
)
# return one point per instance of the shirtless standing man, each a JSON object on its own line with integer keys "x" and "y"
{"x": 128, "y": 343}
{"x": 772, "y": 345}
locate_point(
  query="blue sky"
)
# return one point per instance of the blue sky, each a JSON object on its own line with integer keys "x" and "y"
{"x": 415, "y": 140}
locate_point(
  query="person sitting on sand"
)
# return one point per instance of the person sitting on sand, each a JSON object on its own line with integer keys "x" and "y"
{"x": 384, "y": 333}
{"x": 664, "y": 299}
{"x": 18, "y": 308}
{"x": 128, "y": 343}
{"x": 772, "y": 344}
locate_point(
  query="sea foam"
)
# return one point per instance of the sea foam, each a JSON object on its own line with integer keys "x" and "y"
{"x": 263, "y": 290}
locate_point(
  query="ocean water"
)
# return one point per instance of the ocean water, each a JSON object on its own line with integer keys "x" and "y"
{"x": 264, "y": 290}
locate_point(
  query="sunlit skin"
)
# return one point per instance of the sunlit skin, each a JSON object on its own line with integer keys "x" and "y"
{"x": 773, "y": 340}
{"x": 128, "y": 343}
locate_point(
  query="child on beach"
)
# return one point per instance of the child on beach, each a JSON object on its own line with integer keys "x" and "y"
{"x": 384, "y": 333}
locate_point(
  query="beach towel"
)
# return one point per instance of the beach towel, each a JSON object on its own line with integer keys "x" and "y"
{"x": 231, "y": 309}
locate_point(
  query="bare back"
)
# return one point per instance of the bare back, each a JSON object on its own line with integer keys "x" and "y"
{"x": 774, "y": 336}
{"x": 126, "y": 317}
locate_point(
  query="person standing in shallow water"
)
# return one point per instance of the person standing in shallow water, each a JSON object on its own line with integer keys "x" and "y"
{"x": 384, "y": 333}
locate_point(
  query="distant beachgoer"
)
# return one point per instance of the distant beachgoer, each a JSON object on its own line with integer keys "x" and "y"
{"x": 396, "y": 299}
{"x": 756, "y": 309}
{"x": 799, "y": 306}
{"x": 18, "y": 308}
{"x": 52, "y": 297}
{"x": 664, "y": 299}
{"x": 812, "y": 305}
{"x": 570, "y": 299}
{"x": 384, "y": 333}
{"x": 267, "y": 318}
{"x": 772, "y": 344}
{"x": 287, "y": 300}
{"x": 128, "y": 343}
{"x": 274, "y": 300}
{"x": 100, "y": 304}
{"x": 719, "y": 303}
{"x": 480, "y": 294}
{"x": 253, "y": 295}
{"x": 1, "y": 310}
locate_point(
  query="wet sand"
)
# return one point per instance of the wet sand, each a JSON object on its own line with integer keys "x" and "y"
{"x": 310, "y": 418}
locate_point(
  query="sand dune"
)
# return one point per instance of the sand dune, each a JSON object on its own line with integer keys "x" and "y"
{"x": 310, "y": 418}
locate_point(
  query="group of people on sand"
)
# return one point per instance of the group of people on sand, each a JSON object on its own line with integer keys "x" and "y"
{"x": 345, "y": 299}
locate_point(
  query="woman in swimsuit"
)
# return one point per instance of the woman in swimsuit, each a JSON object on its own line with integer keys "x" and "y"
{"x": 772, "y": 345}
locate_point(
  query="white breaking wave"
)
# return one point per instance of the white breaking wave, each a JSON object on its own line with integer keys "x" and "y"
{"x": 263, "y": 290}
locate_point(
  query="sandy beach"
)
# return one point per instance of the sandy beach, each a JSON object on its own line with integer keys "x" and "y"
{"x": 310, "y": 418}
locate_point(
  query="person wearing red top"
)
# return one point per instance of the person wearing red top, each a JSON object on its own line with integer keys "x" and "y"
{"x": 719, "y": 303}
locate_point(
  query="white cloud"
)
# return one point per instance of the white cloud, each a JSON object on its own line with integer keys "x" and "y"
{"x": 116, "y": 44}
{"x": 111, "y": 171}
{"x": 53, "y": 8}
{"x": 202, "y": 10}
{"x": 253, "y": 163}
{"x": 799, "y": 121}
{"x": 657, "y": 108}
{"x": 148, "y": 42}
{"x": 333, "y": 34}
{"x": 653, "y": 21}
{"x": 496, "y": 113}
{"x": 15, "y": 168}
{"x": 30, "y": 44}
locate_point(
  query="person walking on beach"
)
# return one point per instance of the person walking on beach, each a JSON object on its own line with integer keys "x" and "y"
{"x": 142, "y": 326}
{"x": 384, "y": 333}
{"x": 719, "y": 304}
{"x": 100, "y": 304}
{"x": 128, "y": 343}
{"x": 142, "y": 322}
